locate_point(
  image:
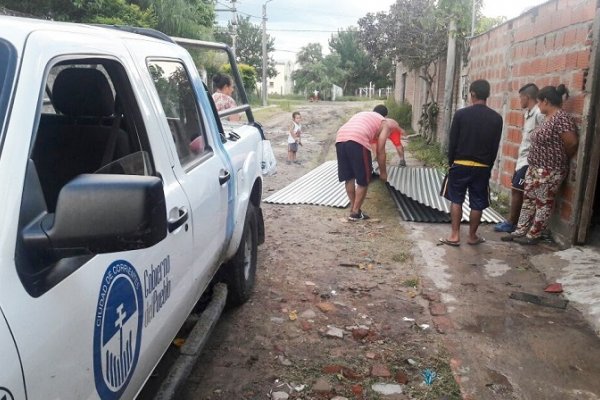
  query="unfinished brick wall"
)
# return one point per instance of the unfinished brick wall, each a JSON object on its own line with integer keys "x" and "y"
{"x": 548, "y": 45}
{"x": 414, "y": 90}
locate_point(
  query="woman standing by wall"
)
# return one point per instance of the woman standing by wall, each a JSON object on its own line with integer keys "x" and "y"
{"x": 553, "y": 143}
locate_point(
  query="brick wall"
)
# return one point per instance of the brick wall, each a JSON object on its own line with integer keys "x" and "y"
{"x": 548, "y": 45}
{"x": 414, "y": 91}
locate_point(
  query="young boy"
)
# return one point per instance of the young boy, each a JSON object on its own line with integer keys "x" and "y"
{"x": 294, "y": 139}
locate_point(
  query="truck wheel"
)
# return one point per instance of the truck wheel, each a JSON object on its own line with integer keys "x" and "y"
{"x": 240, "y": 271}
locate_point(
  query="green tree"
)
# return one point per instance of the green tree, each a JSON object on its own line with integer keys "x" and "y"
{"x": 116, "y": 12}
{"x": 248, "y": 74}
{"x": 312, "y": 53}
{"x": 415, "y": 33}
{"x": 89, "y": 11}
{"x": 484, "y": 23}
{"x": 317, "y": 72}
{"x": 188, "y": 18}
{"x": 353, "y": 59}
{"x": 192, "y": 19}
{"x": 248, "y": 46}
{"x": 49, "y": 9}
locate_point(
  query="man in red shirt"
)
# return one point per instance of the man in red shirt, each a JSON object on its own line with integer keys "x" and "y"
{"x": 395, "y": 135}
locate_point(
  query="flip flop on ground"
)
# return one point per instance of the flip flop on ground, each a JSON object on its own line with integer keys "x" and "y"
{"x": 454, "y": 243}
{"x": 480, "y": 239}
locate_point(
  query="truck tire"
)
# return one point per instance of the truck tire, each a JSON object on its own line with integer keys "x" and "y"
{"x": 240, "y": 271}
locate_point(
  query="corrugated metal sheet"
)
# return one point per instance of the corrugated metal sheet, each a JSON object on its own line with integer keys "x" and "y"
{"x": 420, "y": 184}
{"x": 319, "y": 187}
{"x": 423, "y": 184}
{"x": 414, "y": 211}
{"x": 414, "y": 190}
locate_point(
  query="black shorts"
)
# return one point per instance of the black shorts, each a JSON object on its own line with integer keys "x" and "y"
{"x": 518, "y": 179}
{"x": 475, "y": 179}
{"x": 293, "y": 147}
{"x": 354, "y": 162}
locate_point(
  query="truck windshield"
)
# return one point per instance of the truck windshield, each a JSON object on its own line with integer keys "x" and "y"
{"x": 8, "y": 61}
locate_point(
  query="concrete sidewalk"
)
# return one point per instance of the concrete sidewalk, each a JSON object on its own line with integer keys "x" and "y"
{"x": 504, "y": 348}
{"x": 578, "y": 270}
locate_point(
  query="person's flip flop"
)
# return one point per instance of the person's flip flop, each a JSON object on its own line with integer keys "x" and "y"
{"x": 479, "y": 241}
{"x": 449, "y": 242}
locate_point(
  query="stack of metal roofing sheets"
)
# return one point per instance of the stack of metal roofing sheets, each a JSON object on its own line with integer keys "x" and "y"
{"x": 319, "y": 187}
{"x": 411, "y": 210}
{"x": 414, "y": 190}
{"x": 423, "y": 184}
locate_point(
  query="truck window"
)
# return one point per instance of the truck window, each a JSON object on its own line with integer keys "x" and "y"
{"x": 89, "y": 123}
{"x": 8, "y": 61}
{"x": 181, "y": 111}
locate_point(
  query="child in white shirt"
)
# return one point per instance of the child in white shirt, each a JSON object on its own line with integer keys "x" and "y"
{"x": 294, "y": 138}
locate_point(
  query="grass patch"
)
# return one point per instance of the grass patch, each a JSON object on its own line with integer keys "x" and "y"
{"x": 430, "y": 153}
{"x": 401, "y": 257}
{"x": 411, "y": 282}
{"x": 500, "y": 202}
{"x": 263, "y": 114}
{"x": 444, "y": 385}
{"x": 288, "y": 105}
{"x": 401, "y": 112}
{"x": 352, "y": 98}
{"x": 378, "y": 198}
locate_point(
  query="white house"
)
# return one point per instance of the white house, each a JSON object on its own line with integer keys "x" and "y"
{"x": 283, "y": 83}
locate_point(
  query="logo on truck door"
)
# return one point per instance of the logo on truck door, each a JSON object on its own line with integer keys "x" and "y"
{"x": 117, "y": 329}
{"x": 5, "y": 394}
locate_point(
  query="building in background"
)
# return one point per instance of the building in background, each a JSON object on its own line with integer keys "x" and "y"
{"x": 282, "y": 84}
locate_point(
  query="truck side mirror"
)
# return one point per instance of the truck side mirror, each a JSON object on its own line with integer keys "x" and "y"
{"x": 103, "y": 214}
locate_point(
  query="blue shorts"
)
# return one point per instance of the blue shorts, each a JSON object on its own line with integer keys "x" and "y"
{"x": 354, "y": 162}
{"x": 475, "y": 179}
{"x": 518, "y": 179}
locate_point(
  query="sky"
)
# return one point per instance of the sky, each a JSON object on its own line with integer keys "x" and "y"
{"x": 295, "y": 23}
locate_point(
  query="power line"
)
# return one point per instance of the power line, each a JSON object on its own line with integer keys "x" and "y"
{"x": 249, "y": 15}
{"x": 306, "y": 30}
{"x": 314, "y": 10}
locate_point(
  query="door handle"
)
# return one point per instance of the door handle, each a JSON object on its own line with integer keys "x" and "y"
{"x": 176, "y": 222}
{"x": 224, "y": 177}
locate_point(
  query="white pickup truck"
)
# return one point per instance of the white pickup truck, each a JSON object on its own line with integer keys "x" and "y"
{"x": 122, "y": 197}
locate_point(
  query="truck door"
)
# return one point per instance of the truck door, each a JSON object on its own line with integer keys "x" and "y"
{"x": 11, "y": 373}
{"x": 199, "y": 167}
{"x": 88, "y": 324}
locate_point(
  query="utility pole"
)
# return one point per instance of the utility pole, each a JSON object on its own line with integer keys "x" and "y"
{"x": 265, "y": 60}
{"x": 234, "y": 23}
{"x": 473, "y": 19}
{"x": 449, "y": 83}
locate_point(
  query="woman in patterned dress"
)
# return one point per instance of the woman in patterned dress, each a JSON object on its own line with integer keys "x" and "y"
{"x": 222, "y": 95}
{"x": 553, "y": 143}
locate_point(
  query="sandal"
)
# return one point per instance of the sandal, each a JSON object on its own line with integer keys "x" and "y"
{"x": 450, "y": 242}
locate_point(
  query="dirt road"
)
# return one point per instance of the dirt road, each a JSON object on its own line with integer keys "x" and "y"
{"x": 403, "y": 306}
{"x": 260, "y": 348}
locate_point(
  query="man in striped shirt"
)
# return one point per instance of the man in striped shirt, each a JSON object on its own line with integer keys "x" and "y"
{"x": 353, "y": 148}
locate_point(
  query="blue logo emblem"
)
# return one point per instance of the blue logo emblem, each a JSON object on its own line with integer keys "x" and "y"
{"x": 117, "y": 329}
{"x": 5, "y": 394}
